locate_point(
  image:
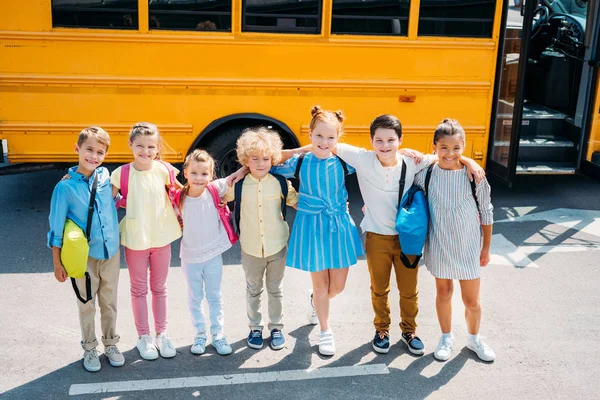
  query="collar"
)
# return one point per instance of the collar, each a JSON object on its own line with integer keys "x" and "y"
{"x": 253, "y": 179}
{"x": 80, "y": 177}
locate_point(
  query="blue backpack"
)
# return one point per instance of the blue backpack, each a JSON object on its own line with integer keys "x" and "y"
{"x": 412, "y": 220}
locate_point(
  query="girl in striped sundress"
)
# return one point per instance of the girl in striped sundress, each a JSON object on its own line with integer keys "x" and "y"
{"x": 324, "y": 240}
{"x": 454, "y": 248}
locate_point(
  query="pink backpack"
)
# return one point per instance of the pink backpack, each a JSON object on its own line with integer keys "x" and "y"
{"x": 224, "y": 213}
{"x": 172, "y": 192}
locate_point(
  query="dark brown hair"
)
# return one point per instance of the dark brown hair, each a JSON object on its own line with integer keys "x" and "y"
{"x": 386, "y": 121}
{"x": 448, "y": 127}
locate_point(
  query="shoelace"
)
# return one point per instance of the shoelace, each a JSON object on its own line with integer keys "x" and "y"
{"x": 445, "y": 343}
{"x": 276, "y": 334}
{"x": 220, "y": 342}
{"x": 256, "y": 334}
{"x": 383, "y": 334}
{"x": 167, "y": 344}
{"x": 200, "y": 340}
{"x": 112, "y": 350}
{"x": 91, "y": 355}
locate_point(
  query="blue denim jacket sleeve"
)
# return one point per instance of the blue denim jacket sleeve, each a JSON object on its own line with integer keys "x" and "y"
{"x": 58, "y": 214}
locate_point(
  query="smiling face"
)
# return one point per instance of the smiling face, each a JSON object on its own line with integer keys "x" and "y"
{"x": 198, "y": 175}
{"x": 449, "y": 149}
{"x": 91, "y": 155}
{"x": 385, "y": 143}
{"x": 259, "y": 164}
{"x": 145, "y": 149}
{"x": 324, "y": 137}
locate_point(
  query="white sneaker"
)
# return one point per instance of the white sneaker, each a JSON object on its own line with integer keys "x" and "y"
{"x": 326, "y": 343}
{"x": 444, "y": 348}
{"x": 115, "y": 357}
{"x": 91, "y": 360}
{"x": 311, "y": 312}
{"x": 481, "y": 349}
{"x": 165, "y": 346}
{"x": 147, "y": 348}
{"x": 220, "y": 344}
{"x": 199, "y": 346}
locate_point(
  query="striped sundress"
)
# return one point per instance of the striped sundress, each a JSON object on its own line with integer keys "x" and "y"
{"x": 324, "y": 235}
{"x": 454, "y": 239}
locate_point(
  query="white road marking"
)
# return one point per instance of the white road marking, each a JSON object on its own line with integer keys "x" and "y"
{"x": 231, "y": 379}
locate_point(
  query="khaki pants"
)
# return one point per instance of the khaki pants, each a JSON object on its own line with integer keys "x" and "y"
{"x": 104, "y": 277}
{"x": 383, "y": 251}
{"x": 272, "y": 268}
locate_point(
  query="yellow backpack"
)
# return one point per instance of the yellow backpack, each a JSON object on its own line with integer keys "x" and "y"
{"x": 75, "y": 249}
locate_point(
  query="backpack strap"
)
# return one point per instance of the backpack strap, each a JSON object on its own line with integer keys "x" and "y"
{"x": 474, "y": 191}
{"x": 214, "y": 193}
{"x": 88, "y": 229}
{"x": 124, "y": 183}
{"x": 237, "y": 204}
{"x": 298, "y": 166}
{"x": 402, "y": 183}
{"x": 407, "y": 262}
{"x": 344, "y": 166}
{"x": 284, "y": 192}
{"x": 428, "y": 178}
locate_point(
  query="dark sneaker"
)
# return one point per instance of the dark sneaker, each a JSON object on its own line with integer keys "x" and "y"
{"x": 381, "y": 342}
{"x": 255, "y": 339}
{"x": 277, "y": 339}
{"x": 413, "y": 343}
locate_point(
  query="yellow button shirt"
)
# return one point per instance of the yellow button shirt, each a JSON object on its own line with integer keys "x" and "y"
{"x": 263, "y": 232}
{"x": 150, "y": 220}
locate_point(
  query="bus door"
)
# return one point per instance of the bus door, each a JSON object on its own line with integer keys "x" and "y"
{"x": 543, "y": 89}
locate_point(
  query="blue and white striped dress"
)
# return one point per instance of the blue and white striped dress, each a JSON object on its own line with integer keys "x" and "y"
{"x": 323, "y": 235}
{"x": 454, "y": 239}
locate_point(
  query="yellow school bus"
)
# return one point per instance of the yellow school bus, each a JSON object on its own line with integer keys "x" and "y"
{"x": 204, "y": 70}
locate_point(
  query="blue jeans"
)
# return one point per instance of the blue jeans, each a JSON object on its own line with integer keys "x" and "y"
{"x": 205, "y": 277}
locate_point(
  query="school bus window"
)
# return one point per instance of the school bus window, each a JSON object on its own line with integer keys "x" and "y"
{"x": 190, "y": 15}
{"x": 282, "y": 16}
{"x": 370, "y": 17}
{"x": 103, "y": 14}
{"x": 467, "y": 18}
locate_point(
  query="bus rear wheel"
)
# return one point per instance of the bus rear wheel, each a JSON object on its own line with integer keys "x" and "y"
{"x": 222, "y": 149}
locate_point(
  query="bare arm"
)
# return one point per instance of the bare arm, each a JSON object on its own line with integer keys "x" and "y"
{"x": 473, "y": 169}
{"x": 287, "y": 154}
{"x": 484, "y": 258}
{"x": 59, "y": 271}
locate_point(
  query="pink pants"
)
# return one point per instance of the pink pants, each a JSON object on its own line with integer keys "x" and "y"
{"x": 157, "y": 259}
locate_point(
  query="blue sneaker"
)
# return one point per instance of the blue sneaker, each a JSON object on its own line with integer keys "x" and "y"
{"x": 381, "y": 342}
{"x": 255, "y": 339}
{"x": 414, "y": 344}
{"x": 277, "y": 339}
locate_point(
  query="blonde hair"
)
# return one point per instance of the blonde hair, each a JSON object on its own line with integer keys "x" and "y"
{"x": 95, "y": 132}
{"x": 146, "y": 129}
{"x": 197, "y": 155}
{"x": 449, "y": 127}
{"x": 331, "y": 117}
{"x": 259, "y": 140}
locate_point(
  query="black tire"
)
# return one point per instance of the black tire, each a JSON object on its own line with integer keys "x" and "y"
{"x": 222, "y": 149}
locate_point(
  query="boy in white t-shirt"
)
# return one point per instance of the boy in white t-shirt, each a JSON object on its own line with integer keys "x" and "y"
{"x": 378, "y": 173}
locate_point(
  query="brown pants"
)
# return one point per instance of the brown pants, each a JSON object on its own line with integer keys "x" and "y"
{"x": 383, "y": 251}
{"x": 104, "y": 277}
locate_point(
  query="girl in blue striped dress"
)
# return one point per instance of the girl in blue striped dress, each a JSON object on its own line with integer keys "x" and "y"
{"x": 324, "y": 240}
{"x": 454, "y": 247}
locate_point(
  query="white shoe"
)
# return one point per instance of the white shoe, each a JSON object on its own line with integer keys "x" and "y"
{"x": 165, "y": 346}
{"x": 199, "y": 346}
{"x": 483, "y": 351}
{"x": 326, "y": 343}
{"x": 147, "y": 348}
{"x": 115, "y": 357}
{"x": 311, "y": 312}
{"x": 220, "y": 344}
{"x": 91, "y": 360}
{"x": 444, "y": 348}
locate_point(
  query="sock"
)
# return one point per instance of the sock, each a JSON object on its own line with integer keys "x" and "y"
{"x": 472, "y": 338}
{"x": 447, "y": 335}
